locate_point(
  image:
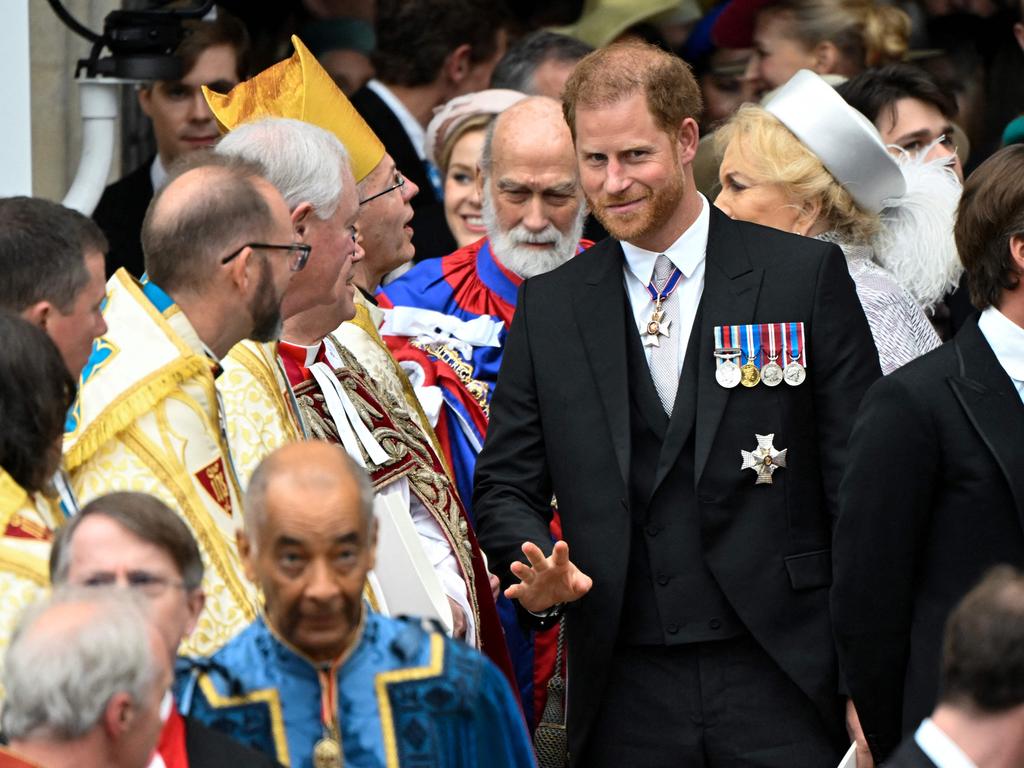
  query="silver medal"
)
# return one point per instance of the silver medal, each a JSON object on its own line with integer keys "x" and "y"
{"x": 728, "y": 374}
{"x": 794, "y": 374}
{"x": 771, "y": 374}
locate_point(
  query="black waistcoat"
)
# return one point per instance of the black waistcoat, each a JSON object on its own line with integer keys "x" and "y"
{"x": 671, "y": 597}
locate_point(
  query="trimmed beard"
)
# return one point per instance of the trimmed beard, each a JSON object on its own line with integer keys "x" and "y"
{"x": 265, "y": 308}
{"x": 510, "y": 247}
{"x": 662, "y": 204}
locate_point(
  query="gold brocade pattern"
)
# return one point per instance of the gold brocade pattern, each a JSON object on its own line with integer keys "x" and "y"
{"x": 411, "y": 456}
{"x": 463, "y": 370}
{"x": 258, "y": 416}
{"x": 30, "y": 520}
{"x": 167, "y": 449}
{"x": 361, "y": 337}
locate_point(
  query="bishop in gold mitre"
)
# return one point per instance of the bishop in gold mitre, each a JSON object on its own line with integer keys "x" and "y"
{"x": 300, "y": 89}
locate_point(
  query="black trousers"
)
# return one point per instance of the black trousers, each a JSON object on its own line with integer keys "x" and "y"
{"x": 722, "y": 704}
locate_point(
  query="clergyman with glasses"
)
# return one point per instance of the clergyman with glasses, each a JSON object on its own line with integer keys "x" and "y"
{"x": 133, "y": 540}
{"x": 220, "y": 252}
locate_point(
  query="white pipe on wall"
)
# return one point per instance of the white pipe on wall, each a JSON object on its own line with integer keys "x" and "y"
{"x": 99, "y": 99}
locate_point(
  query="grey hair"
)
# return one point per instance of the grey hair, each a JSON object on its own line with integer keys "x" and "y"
{"x": 146, "y": 518}
{"x": 486, "y": 153}
{"x": 58, "y": 684}
{"x": 304, "y": 162}
{"x": 255, "y": 513}
{"x": 518, "y": 66}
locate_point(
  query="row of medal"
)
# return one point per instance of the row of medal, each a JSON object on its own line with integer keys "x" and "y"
{"x": 768, "y": 353}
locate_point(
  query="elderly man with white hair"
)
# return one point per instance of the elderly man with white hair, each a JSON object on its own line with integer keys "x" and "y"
{"x": 85, "y": 676}
{"x": 455, "y": 311}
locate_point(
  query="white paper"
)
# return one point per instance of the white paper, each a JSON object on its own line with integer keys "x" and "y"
{"x": 850, "y": 758}
{"x": 409, "y": 584}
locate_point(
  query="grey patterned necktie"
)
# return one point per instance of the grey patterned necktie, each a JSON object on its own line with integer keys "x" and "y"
{"x": 665, "y": 356}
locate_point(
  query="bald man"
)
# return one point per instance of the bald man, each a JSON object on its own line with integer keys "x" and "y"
{"x": 534, "y": 211}
{"x": 219, "y": 254}
{"x": 351, "y": 687}
{"x": 93, "y": 651}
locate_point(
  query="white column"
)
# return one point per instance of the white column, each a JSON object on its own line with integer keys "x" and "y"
{"x": 15, "y": 96}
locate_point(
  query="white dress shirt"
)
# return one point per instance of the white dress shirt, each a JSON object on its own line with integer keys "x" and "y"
{"x": 157, "y": 174}
{"x": 941, "y": 749}
{"x": 417, "y": 133}
{"x": 688, "y": 254}
{"x": 1007, "y": 341}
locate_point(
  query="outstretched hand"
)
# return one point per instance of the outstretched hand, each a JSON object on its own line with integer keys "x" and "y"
{"x": 547, "y": 581}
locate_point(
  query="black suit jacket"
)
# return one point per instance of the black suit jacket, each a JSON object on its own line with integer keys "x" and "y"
{"x": 431, "y": 235}
{"x": 119, "y": 213}
{"x": 909, "y": 755}
{"x": 932, "y": 498}
{"x": 207, "y": 748}
{"x": 560, "y": 423}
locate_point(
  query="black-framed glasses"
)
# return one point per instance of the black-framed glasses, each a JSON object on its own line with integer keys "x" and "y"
{"x": 299, "y": 253}
{"x": 146, "y": 583}
{"x": 399, "y": 183}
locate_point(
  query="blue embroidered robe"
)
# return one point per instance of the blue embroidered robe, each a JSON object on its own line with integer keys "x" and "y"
{"x": 405, "y": 697}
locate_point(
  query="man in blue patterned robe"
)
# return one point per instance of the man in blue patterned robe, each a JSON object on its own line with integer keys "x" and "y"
{"x": 320, "y": 679}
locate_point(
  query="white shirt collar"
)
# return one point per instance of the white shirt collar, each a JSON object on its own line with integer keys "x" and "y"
{"x": 685, "y": 253}
{"x": 941, "y": 749}
{"x": 157, "y": 174}
{"x": 1006, "y": 339}
{"x": 416, "y": 132}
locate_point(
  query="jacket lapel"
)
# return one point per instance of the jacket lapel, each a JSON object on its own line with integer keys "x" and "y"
{"x": 731, "y": 288}
{"x": 600, "y": 317}
{"x": 992, "y": 404}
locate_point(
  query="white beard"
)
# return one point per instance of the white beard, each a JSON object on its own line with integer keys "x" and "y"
{"x": 511, "y": 250}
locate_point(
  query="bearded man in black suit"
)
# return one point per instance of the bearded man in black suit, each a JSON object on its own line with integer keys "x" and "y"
{"x": 699, "y": 513}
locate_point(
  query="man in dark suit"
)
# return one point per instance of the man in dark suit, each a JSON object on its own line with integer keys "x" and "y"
{"x": 696, "y": 598}
{"x": 134, "y": 540}
{"x": 214, "y": 54}
{"x": 428, "y": 52}
{"x": 934, "y": 491}
{"x": 980, "y": 717}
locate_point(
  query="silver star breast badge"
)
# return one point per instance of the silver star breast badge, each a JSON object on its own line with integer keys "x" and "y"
{"x": 654, "y": 339}
{"x": 764, "y": 459}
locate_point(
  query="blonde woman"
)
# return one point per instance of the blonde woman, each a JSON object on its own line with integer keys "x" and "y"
{"x": 454, "y": 142}
{"x": 810, "y": 164}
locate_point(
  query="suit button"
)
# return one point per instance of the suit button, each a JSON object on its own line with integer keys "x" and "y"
{"x": 662, "y": 579}
{"x": 715, "y": 624}
{"x": 652, "y": 530}
{"x": 672, "y": 629}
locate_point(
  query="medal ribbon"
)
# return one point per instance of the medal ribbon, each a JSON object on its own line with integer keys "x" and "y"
{"x": 670, "y": 285}
{"x": 795, "y": 333}
{"x": 329, "y": 702}
{"x": 751, "y": 343}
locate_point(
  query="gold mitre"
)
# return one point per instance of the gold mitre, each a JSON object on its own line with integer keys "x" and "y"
{"x": 299, "y": 88}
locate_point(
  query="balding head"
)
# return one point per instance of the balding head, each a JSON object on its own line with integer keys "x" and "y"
{"x": 532, "y": 125}
{"x": 309, "y": 543}
{"x": 213, "y": 205}
{"x": 532, "y": 203}
{"x": 309, "y": 466}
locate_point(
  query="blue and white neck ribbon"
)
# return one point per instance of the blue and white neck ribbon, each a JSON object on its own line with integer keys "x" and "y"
{"x": 658, "y": 296}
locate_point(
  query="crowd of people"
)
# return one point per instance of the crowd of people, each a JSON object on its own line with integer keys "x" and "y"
{"x": 451, "y": 388}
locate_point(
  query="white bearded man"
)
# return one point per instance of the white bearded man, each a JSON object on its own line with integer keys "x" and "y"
{"x": 455, "y": 311}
